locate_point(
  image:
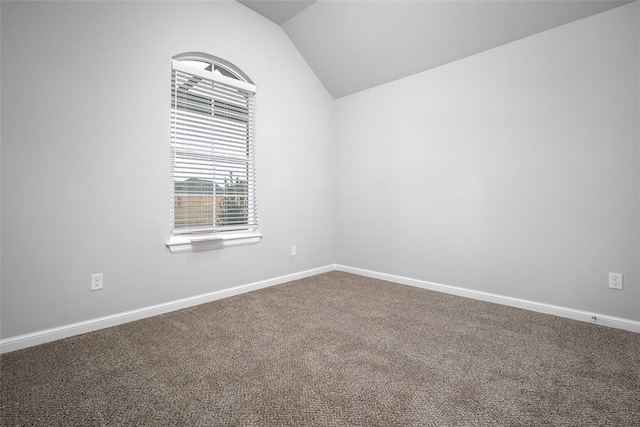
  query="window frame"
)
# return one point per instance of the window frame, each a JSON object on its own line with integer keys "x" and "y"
{"x": 217, "y": 234}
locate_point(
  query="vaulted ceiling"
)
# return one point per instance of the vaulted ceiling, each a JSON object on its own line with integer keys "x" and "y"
{"x": 353, "y": 45}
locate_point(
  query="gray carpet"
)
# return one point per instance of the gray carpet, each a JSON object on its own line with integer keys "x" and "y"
{"x": 331, "y": 350}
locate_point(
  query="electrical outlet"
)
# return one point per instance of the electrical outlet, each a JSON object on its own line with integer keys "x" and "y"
{"x": 96, "y": 281}
{"x": 615, "y": 281}
{"x": 294, "y": 252}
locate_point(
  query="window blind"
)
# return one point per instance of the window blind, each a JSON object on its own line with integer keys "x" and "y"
{"x": 213, "y": 182}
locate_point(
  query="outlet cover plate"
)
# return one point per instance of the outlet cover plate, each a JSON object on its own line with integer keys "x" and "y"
{"x": 615, "y": 281}
{"x": 96, "y": 281}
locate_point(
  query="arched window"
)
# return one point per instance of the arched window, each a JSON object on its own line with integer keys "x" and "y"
{"x": 213, "y": 182}
{"x": 214, "y": 64}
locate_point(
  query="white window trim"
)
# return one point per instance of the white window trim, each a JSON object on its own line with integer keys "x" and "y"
{"x": 179, "y": 243}
{"x": 205, "y": 242}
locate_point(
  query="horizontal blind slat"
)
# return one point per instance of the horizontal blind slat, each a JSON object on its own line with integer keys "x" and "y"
{"x": 212, "y": 154}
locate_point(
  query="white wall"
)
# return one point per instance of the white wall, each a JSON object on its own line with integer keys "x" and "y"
{"x": 85, "y": 157}
{"x": 515, "y": 171}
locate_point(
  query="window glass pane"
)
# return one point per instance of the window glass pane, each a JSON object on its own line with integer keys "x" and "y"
{"x": 212, "y": 172}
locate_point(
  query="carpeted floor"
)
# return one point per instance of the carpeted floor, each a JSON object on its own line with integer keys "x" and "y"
{"x": 331, "y": 350}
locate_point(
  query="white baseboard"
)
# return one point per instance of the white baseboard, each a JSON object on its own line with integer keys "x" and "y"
{"x": 585, "y": 316}
{"x": 41, "y": 337}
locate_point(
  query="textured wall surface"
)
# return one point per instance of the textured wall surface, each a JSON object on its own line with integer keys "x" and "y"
{"x": 85, "y": 156}
{"x": 515, "y": 171}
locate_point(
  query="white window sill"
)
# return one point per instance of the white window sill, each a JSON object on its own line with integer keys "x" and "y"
{"x": 178, "y": 244}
